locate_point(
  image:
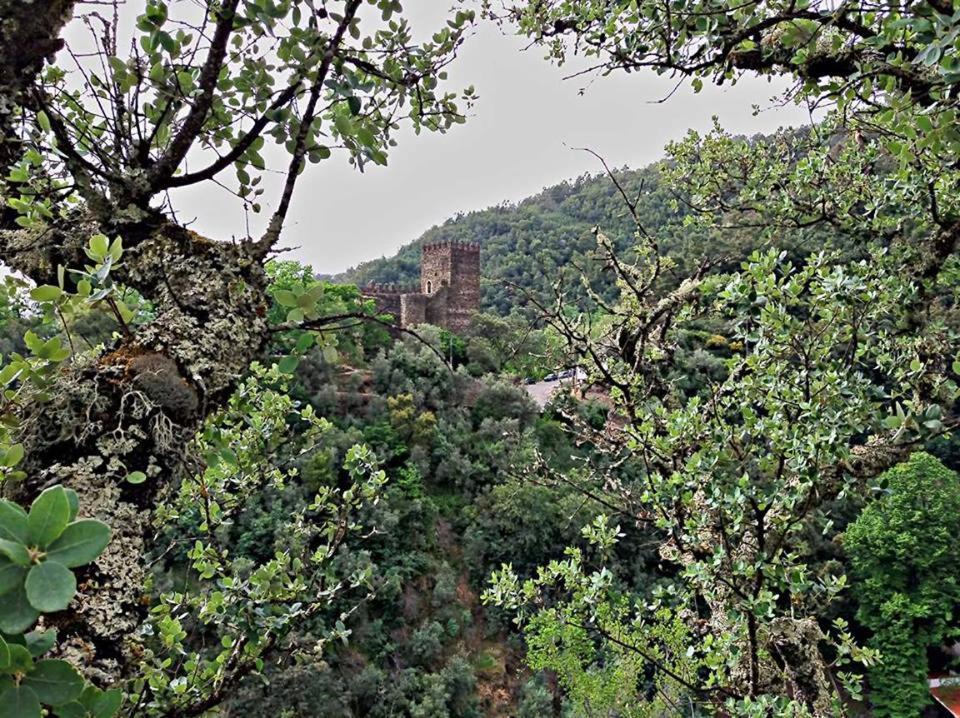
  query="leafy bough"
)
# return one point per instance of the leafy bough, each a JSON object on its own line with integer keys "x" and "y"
{"x": 38, "y": 550}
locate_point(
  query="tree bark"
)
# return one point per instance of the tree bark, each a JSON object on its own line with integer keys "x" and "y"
{"x": 29, "y": 33}
{"x": 136, "y": 406}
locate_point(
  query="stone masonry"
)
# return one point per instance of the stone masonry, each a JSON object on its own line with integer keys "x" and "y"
{"x": 449, "y": 292}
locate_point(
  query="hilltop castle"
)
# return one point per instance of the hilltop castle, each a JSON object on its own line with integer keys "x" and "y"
{"x": 449, "y": 293}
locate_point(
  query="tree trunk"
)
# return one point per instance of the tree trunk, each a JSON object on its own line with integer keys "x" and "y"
{"x": 136, "y": 406}
{"x": 29, "y": 33}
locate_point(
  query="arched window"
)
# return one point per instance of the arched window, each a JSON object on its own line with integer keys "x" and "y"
{"x": 429, "y": 287}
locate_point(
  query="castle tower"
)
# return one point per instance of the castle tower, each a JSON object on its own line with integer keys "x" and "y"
{"x": 450, "y": 278}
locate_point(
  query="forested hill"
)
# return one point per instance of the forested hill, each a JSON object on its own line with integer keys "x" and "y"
{"x": 525, "y": 243}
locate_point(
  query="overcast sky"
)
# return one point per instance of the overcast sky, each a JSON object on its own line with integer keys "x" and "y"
{"x": 516, "y": 141}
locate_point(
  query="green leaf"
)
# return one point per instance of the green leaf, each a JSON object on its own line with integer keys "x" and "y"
{"x": 304, "y": 342}
{"x": 74, "y": 709}
{"x": 116, "y": 249}
{"x": 343, "y": 125}
{"x": 136, "y": 477}
{"x": 50, "y": 586}
{"x": 15, "y": 552}
{"x": 13, "y": 456}
{"x": 39, "y": 642}
{"x": 366, "y": 137}
{"x": 13, "y": 522}
{"x": 4, "y": 654}
{"x": 49, "y": 515}
{"x": 9, "y": 373}
{"x": 33, "y": 342}
{"x": 74, "y": 501}
{"x": 286, "y": 298}
{"x": 16, "y": 613}
{"x": 20, "y": 659}
{"x": 11, "y": 575}
{"x": 46, "y": 293}
{"x": 107, "y": 704}
{"x": 55, "y": 682}
{"x": 19, "y": 702}
{"x": 80, "y": 543}
{"x": 43, "y": 120}
{"x": 99, "y": 246}
{"x": 288, "y": 364}
{"x": 930, "y": 55}
{"x": 295, "y": 315}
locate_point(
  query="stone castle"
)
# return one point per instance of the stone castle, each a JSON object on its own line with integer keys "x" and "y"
{"x": 449, "y": 292}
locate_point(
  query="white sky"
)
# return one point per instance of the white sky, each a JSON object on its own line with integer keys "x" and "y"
{"x": 516, "y": 141}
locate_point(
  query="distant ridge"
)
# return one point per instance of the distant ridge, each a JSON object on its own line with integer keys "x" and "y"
{"x": 528, "y": 243}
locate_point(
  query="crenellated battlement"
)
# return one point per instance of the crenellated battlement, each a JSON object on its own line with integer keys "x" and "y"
{"x": 451, "y": 244}
{"x": 379, "y": 289}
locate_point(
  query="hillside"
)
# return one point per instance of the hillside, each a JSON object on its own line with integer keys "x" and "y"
{"x": 525, "y": 243}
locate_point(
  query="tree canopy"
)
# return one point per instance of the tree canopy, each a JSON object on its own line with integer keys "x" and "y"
{"x": 218, "y": 470}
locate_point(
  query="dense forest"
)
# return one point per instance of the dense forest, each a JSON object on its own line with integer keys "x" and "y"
{"x": 228, "y": 487}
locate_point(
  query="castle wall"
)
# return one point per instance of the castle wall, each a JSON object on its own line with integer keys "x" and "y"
{"x": 437, "y": 307}
{"x": 388, "y": 304}
{"x": 386, "y": 297}
{"x": 413, "y": 309}
{"x": 456, "y": 266}
{"x": 449, "y": 293}
{"x": 464, "y": 296}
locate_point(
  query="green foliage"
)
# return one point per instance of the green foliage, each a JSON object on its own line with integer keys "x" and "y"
{"x": 250, "y": 603}
{"x": 511, "y": 346}
{"x": 601, "y": 647}
{"x": 30, "y": 376}
{"x": 419, "y": 643}
{"x": 382, "y": 76}
{"x": 37, "y": 550}
{"x": 904, "y": 551}
{"x": 804, "y": 392}
{"x": 500, "y": 530}
{"x": 215, "y": 81}
{"x": 335, "y": 312}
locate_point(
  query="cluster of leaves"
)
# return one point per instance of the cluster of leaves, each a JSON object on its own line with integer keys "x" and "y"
{"x": 310, "y": 314}
{"x": 38, "y": 549}
{"x": 735, "y": 521}
{"x": 903, "y": 551}
{"x": 89, "y": 291}
{"x": 250, "y": 608}
{"x": 181, "y": 85}
{"x": 599, "y": 644}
